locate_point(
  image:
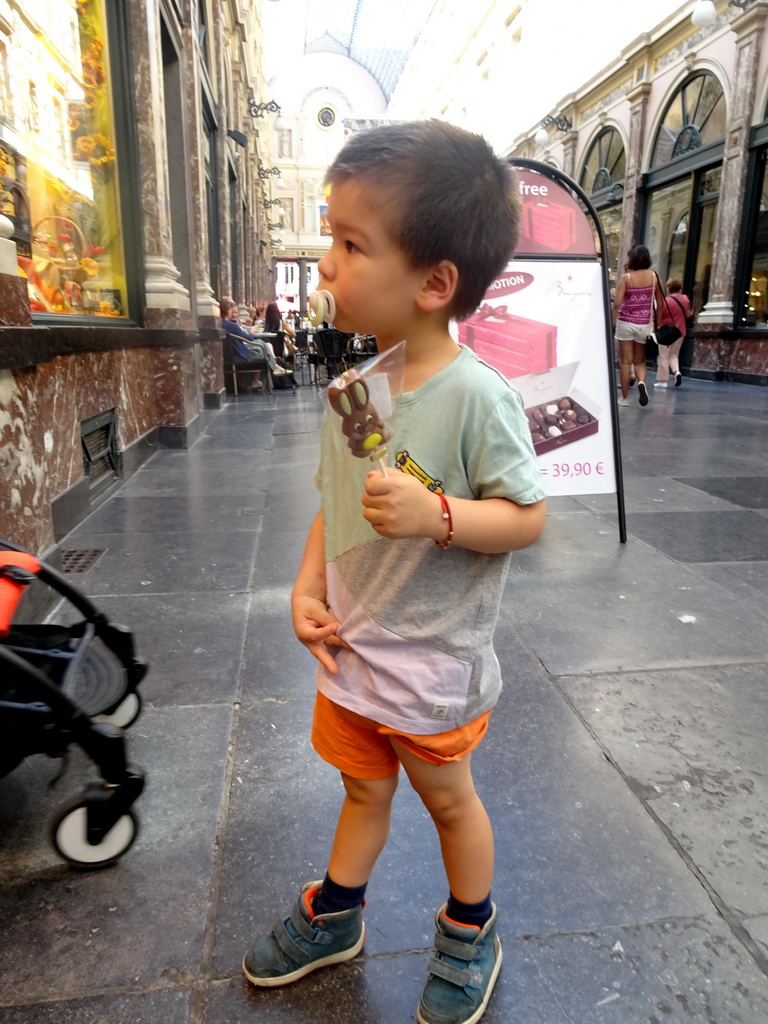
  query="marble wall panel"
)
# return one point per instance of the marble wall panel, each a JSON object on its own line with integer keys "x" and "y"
{"x": 211, "y": 363}
{"x": 727, "y": 355}
{"x": 749, "y": 355}
{"x": 706, "y": 354}
{"x": 41, "y": 410}
{"x": 168, "y": 319}
{"x": 175, "y": 381}
{"x": 14, "y": 302}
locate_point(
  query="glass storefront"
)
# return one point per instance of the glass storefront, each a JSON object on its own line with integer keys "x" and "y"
{"x": 58, "y": 161}
{"x": 705, "y": 210}
{"x": 610, "y": 218}
{"x": 667, "y": 228}
{"x": 680, "y": 232}
{"x": 754, "y": 307}
{"x": 682, "y": 197}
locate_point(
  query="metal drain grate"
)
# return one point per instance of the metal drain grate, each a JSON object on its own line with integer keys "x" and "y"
{"x": 80, "y": 561}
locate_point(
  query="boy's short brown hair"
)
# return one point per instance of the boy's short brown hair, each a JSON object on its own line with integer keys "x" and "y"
{"x": 446, "y": 196}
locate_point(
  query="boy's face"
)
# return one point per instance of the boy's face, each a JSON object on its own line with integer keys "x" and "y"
{"x": 374, "y": 285}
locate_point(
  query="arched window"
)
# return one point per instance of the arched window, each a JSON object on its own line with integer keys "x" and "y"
{"x": 602, "y": 178}
{"x": 695, "y": 116}
{"x": 605, "y": 163}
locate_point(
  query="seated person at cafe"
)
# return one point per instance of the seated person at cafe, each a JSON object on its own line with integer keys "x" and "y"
{"x": 283, "y": 343}
{"x": 243, "y": 357}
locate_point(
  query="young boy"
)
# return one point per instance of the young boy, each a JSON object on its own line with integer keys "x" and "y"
{"x": 423, "y": 216}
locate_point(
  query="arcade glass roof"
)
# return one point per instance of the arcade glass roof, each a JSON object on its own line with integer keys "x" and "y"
{"x": 377, "y": 34}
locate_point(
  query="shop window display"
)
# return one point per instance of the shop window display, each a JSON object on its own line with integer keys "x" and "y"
{"x": 58, "y": 168}
{"x": 755, "y": 309}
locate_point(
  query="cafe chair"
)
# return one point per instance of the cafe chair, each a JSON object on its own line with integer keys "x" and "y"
{"x": 330, "y": 345}
{"x": 232, "y": 370}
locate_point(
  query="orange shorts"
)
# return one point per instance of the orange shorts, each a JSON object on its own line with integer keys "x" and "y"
{"x": 362, "y": 748}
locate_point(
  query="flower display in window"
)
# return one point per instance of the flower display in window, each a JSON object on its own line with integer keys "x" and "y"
{"x": 67, "y": 222}
{"x": 96, "y": 149}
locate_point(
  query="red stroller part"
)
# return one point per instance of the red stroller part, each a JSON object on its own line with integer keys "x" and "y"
{"x": 65, "y": 685}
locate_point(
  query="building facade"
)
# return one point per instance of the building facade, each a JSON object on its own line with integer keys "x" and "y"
{"x": 133, "y": 196}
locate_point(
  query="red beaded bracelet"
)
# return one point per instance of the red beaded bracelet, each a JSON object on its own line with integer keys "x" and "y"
{"x": 446, "y": 515}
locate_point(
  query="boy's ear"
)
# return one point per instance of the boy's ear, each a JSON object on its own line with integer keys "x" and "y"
{"x": 439, "y": 286}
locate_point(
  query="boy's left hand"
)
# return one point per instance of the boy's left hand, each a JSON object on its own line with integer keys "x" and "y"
{"x": 398, "y": 505}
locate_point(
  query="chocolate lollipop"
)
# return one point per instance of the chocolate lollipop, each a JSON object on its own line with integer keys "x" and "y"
{"x": 365, "y": 430}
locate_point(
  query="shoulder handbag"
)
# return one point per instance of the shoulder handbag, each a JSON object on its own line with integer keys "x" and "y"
{"x": 667, "y": 334}
{"x": 688, "y": 318}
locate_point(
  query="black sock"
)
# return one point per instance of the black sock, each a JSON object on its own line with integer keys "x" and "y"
{"x": 469, "y": 913}
{"x": 334, "y": 898}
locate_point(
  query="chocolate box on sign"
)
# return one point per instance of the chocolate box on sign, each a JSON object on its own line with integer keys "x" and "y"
{"x": 551, "y": 225}
{"x": 513, "y": 345}
{"x": 558, "y": 414}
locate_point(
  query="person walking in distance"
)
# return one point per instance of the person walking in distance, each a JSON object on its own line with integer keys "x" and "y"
{"x": 637, "y": 290}
{"x": 675, "y": 310}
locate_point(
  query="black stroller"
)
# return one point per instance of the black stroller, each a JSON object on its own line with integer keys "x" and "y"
{"x": 64, "y": 685}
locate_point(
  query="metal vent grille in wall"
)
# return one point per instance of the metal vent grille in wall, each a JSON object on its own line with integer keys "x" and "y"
{"x": 100, "y": 461}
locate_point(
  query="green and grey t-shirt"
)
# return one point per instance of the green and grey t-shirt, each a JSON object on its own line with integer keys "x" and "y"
{"x": 419, "y": 619}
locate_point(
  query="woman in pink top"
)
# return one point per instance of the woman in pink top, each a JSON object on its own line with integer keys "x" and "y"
{"x": 633, "y": 308}
{"x": 675, "y": 308}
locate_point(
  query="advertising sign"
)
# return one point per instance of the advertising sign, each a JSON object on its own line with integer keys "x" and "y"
{"x": 544, "y": 323}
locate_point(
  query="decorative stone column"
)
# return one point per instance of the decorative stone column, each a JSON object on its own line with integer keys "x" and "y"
{"x": 303, "y": 285}
{"x": 569, "y": 152}
{"x": 211, "y": 367}
{"x": 571, "y": 137}
{"x": 167, "y": 301}
{"x": 638, "y": 116}
{"x": 749, "y": 28}
{"x": 175, "y": 362}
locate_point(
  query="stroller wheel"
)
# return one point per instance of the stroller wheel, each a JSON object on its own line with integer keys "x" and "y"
{"x": 125, "y": 714}
{"x": 69, "y": 834}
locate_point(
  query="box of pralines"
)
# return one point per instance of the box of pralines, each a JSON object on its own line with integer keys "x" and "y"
{"x": 558, "y": 414}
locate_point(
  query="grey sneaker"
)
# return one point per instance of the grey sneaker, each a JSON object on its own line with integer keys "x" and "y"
{"x": 303, "y": 942}
{"x": 462, "y": 975}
